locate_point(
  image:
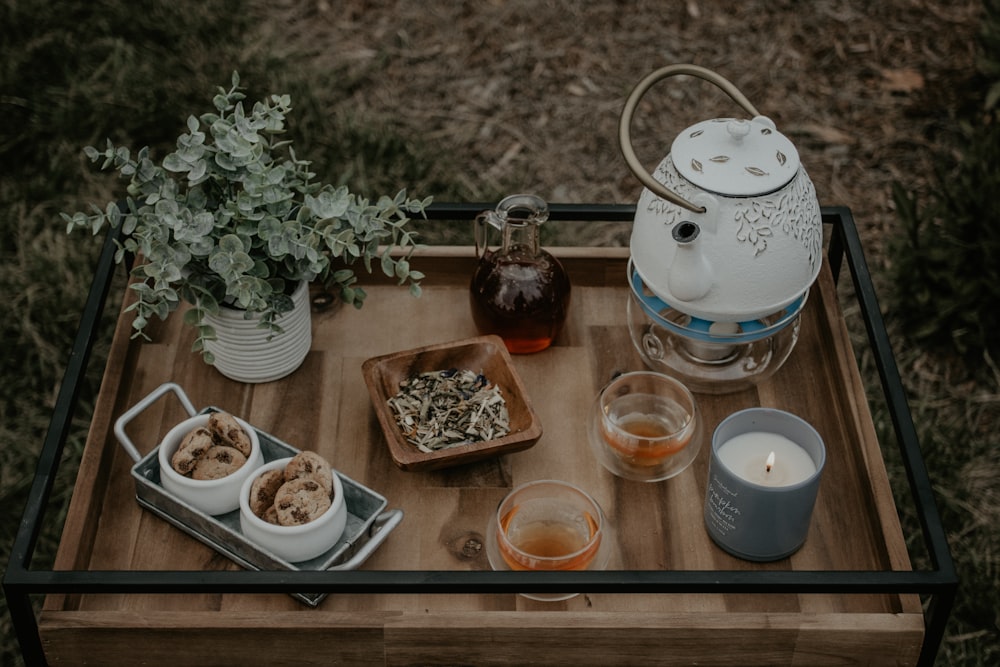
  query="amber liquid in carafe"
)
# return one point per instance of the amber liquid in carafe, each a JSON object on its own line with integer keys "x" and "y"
{"x": 521, "y": 297}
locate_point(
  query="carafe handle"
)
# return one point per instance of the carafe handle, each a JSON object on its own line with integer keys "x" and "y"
{"x": 625, "y": 124}
{"x": 481, "y": 232}
{"x": 517, "y": 210}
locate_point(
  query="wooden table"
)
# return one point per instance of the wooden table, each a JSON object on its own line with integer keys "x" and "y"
{"x": 323, "y": 406}
{"x": 418, "y": 599}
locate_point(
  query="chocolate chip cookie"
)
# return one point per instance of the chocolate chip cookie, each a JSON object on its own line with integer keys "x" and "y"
{"x": 310, "y": 465}
{"x": 218, "y": 462}
{"x": 271, "y": 516}
{"x": 301, "y": 501}
{"x": 227, "y": 431}
{"x": 264, "y": 489}
{"x": 193, "y": 446}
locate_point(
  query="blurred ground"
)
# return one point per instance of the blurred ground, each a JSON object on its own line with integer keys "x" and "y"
{"x": 526, "y": 95}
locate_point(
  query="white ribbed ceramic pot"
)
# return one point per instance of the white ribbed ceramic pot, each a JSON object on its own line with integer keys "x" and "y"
{"x": 243, "y": 352}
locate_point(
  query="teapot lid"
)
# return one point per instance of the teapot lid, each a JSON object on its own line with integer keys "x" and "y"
{"x": 735, "y": 157}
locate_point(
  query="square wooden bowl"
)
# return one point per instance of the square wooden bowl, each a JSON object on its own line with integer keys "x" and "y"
{"x": 482, "y": 354}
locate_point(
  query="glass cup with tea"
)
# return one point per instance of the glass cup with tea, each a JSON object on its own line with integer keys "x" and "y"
{"x": 548, "y": 525}
{"x": 645, "y": 426}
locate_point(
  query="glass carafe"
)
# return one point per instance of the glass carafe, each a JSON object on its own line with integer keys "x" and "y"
{"x": 519, "y": 291}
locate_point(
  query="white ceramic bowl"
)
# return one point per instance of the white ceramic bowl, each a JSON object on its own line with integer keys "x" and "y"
{"x": 294, "y": 543}
{"x": 214, "y": 496}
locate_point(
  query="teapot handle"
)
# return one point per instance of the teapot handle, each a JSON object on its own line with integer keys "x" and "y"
{"x": 625, "y": 124}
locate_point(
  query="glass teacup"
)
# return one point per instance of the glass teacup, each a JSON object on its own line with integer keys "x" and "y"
{"x": 548, "y": 525}
{"x": 645, "y": 426}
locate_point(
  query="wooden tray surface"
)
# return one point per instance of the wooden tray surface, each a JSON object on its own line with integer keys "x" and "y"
{"x": 324, "y": 406}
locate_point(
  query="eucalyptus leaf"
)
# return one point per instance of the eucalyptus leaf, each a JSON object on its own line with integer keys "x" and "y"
{"x": 173, "y": 162}
{"x": 234, "y": 212}
{"x": 344, "y": 276}
{"x": 387, "y": 264}
{"x": 197, "y": 170}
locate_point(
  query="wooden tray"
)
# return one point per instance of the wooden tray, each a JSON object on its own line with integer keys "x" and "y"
{"x": 324, "y": 406}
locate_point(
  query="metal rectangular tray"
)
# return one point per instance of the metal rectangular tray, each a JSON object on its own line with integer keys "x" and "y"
{"x": 368, "y": 524}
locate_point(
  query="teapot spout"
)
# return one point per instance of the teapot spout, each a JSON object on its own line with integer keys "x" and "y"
{"x": 690, "y": 277}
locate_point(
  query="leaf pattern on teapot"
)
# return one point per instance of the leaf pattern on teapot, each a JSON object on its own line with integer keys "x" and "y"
{"x": 663, "y": 210}
{"x": 787, "y": 211}
{"x": 755, "y": 223}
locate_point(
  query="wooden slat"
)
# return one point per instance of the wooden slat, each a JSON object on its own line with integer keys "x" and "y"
{"x": 560, "y": 638}
{"x": 324, "y": 407}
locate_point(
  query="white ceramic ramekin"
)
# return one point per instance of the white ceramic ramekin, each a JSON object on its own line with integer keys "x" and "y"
{"x": 294, "y": 543}
{"x": 213, "y": 496}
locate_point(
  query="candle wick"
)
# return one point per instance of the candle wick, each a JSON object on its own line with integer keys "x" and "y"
{"x": 770, "y": 463}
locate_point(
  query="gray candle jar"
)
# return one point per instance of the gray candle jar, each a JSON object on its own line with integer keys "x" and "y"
{"x": 752, "y": 521}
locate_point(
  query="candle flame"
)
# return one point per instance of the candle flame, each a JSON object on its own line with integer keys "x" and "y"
{"x": 770, "y": 462}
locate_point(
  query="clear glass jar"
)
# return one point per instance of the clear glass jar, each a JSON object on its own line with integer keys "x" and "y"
{"x": 519, "y": 291}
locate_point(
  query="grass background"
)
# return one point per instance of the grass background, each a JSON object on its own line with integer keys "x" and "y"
{"x": 73, "y": 73}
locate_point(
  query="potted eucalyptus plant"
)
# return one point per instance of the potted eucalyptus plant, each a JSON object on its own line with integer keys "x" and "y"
{"x": 233, "y": 222}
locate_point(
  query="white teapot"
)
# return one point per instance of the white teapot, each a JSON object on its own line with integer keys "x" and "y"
{"x": 728, "y": 227}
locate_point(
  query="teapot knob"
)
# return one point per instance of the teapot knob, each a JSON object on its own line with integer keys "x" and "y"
{"x": 738, "y": 128}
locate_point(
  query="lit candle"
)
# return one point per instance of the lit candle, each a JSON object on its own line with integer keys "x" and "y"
{"x": 768, "y": 459}
{"x": 763, "y": 478}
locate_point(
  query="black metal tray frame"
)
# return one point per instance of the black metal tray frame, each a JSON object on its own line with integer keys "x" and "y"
{"x": 937, "y": 584}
